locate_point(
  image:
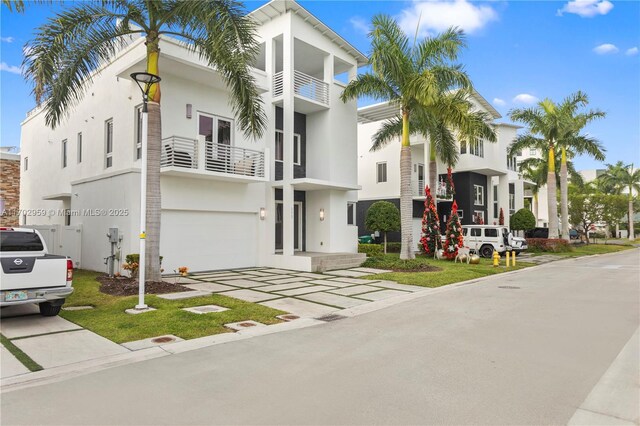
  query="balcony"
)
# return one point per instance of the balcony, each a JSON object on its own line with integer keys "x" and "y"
{"x": 182, "y": 156}
{"x": 440, "y": 193}
{"x": 305, "y": 88}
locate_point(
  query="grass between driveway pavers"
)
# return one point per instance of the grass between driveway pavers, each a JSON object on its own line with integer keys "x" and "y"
{"x": 109, "y": 319}
{"x": 449, "y": 272}
{"x": 20, "y": 356}
{"x": 585, "y": 250}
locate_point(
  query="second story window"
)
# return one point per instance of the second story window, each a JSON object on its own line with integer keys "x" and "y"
{"x": 512, "y": 164}
{"x": 79, "y": 147}
{"x": 478, "y": 195}
{"x": 64, "y": 153}
{"x": 381, "y": 172}
{"x": 297, "y": 160}
{"x": 138, "y": 141}
{"x": 463, "y": 147}
{"x": 477, "y": 148}
{"x": 108, "y": 137}
{"x": 532, "y": 151}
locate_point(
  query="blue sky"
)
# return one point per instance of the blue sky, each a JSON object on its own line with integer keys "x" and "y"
{"x": 517, "y": 52}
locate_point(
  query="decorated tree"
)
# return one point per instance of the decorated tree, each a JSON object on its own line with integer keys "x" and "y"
{"x": 453, "y": 240}
{"x": 449, "y": 186}
{"x": 430, "y": 240}
{"x": 501, "y": 217}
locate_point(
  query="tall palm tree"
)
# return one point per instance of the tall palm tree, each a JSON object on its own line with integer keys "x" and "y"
{"x": 554, "y": 127}
{"x": 69, "y": 49}
{"x": 409, "y": 76}
{"x": 620, "y": 178}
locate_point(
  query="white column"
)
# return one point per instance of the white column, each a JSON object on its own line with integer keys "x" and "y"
{"x": 490, "y": 213}
{"x": 503, "y": 196}
{"x": 519, "y": 194}
{"x": 328, "y": 69}
{"x": 287, "y": 164}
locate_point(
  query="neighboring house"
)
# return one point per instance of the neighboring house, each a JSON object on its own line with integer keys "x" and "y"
{"x": 9, "y": 186}
{"x": 485, "y": 178}
{"x": 285, "y": 200}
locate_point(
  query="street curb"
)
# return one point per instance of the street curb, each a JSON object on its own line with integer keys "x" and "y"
{"x": 85, "y": 367}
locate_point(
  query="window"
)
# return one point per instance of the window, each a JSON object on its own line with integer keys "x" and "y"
{"x": 475, "y": 232}
{"x": 108, "y": 131}
{"x": 460, "y": 214}
{"x": 465, "y": 231}
{"x": 463, "y": 147}
{"x": 532, "y": 151}
{"x": 217, "y": 135}
{"x": 495, "y": 201}
{"x": 79, "y": 145}
{"x": 512, "y": 164}
{"x": 280, "y": 147}
{"x": 478, "y": 195}
{"x": 64, "y": 153}
{"x": 381, "y": 172}
{"x": 477, "y": 148}
{"x": 478, "y": 217}
{"x": 512, "y": 202}
{"x": 490, "y": 232}
{"x": 138, "y": 151}
{"x": 26, "y": 163}
{"x": 351, "y": 213}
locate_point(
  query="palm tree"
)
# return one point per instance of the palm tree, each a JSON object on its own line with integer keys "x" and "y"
{"x": 410, "y": 77}
{"x": 538, "y": 176}
{"x": 68, "y": 51}
{"x": 620, "y": 178}
{"x": 556, "y": 126}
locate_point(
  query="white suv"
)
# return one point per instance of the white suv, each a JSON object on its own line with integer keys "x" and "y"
{"x": 485, "y": 239}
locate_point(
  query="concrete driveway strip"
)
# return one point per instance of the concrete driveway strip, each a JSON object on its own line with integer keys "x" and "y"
{"x": 525, "y": 348}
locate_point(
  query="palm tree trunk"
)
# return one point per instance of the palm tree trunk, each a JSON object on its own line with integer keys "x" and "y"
{"x": 153, "y": 147}
{"x": 630, "y": 221}
{"x": 433, "y": 173}
{"x": 406, "y": 199}
{"x": 552, "y": 201}
{"x": 564, "y": 196}
{"x": 535, "y": 207}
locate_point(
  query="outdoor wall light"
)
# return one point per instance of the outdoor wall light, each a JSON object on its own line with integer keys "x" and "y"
{"x": 321, "y": 214}
{"x": 263, "y": 213}
{"x": 189, "y": 110}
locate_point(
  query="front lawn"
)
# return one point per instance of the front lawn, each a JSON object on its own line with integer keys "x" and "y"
{"x": 109, "y": 319}
{"x": 448, "y": 272}
{"x": 586, "y": 250}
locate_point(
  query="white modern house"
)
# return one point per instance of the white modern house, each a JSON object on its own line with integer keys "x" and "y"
{"x": 485, "y": 177}
{"x": 536, "y": 197}
{"x": 286, "y": 200}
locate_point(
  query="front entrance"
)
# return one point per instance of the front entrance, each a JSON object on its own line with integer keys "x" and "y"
{"x": 297, "y": 225}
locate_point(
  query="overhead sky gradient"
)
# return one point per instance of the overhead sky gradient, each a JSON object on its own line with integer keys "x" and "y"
{"x": 518, "y": 53}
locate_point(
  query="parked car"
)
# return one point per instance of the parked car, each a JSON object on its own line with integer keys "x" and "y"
{"x": 31, "y": 275}
{"x": 485, "y": 239}
{"x": 573, "y": 234}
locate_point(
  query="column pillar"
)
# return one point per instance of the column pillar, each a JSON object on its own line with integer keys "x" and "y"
{"x": 490, "y": 211}
{"x": 503, "y": 196}
{"x": 287, "y": 128}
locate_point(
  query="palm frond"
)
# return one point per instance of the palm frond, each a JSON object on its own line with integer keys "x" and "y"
{"x": 389, "y": 130}
{"x": 368, "y": 85}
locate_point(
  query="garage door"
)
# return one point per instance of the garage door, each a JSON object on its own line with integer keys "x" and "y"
{"x": 208, "y": 240}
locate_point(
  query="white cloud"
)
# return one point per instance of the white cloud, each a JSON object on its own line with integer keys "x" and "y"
{"x": 525, "y": 98}
{"x": 360, "y": 24}
{"x": 7, "y": 39}
{"x": 10, "y": 68}
{"x": 631, "y": 52}
{"x": 499, "y": 102}
{"x": 605, "y": 49}
{"x": 438, "y": 15}
{"x": 587, "y": 8}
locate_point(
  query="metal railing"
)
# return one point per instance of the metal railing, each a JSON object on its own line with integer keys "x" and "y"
{"x": 224, "y": 158}
{"x": 303, "y": 85}
{"x": 179, "y": 152}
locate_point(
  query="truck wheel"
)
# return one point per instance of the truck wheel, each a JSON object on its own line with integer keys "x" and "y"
{"x": 47, "y": 309}
{"x": 486, "y": 251}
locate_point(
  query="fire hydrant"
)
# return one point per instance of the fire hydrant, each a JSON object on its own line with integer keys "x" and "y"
{"x": 496, "y": 258}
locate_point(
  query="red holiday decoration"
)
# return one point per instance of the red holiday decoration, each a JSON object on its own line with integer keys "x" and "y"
{"x": 453, "y": 240}
{"x": 430, "y": 240}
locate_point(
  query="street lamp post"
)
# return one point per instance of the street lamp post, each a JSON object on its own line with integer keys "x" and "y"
{"x": 144, "y": 81}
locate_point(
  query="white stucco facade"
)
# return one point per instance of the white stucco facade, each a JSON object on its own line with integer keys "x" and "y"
{"x": 214, "y": 185}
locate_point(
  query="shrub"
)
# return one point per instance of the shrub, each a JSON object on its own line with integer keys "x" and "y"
{"x": 394, "y": 247}
{"x": 549, "y": 245}
{"x": 371, "y": 250}
{"x": 132, "y": 262}
{"x": 383, "y": 216}
{"x": 522, "y": 220}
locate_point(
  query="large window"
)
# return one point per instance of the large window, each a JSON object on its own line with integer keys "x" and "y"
{"x": 512, "y": 202}
{"x": 478, "y": 195}
{"x": 495, "y": 201}
{"x": 64, "y": 153}
{"x": 512, "y": 164}
{"x": 108, "y": 136}
{"x": 297, "y": 160}
{"x": 79, "y": 147}
{"x": 217, "y": 135}
{"x": 477, "y": 148}
{"x": 138, "y": 140}
{"x": 351, "y": 213}
{"x": 381, "y": 172}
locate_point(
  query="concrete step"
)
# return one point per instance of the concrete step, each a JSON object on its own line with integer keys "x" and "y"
{"x": 337, "y": 261}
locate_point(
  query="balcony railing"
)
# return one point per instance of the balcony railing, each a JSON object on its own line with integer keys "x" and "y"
{"x": 211, "y": 156}
{"x": 303, "y": 85}
{"x": 440, "y": 193}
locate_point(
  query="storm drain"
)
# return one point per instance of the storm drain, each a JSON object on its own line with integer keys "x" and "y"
{"x": 510, "y": 287}
{"x": 331, "y": 318}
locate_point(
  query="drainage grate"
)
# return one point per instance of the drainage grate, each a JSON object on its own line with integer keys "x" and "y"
{"x": 331, "y": 317}
{"x": 510, "y": 287}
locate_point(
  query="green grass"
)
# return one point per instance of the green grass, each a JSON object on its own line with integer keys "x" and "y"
{"x": 587, "y": 250}
{"x": 450, "y": 272}
{"x": 109, "y": 319}
{"x": 20, "y": 356}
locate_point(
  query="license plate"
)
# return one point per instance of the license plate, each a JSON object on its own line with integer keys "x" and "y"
{"x": 13, "y": 296}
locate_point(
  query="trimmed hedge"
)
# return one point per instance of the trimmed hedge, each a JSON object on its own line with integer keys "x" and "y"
{"x": 394, "y": 247}
{"x": 549, "y": 245}
{"x": 371, "y": 250}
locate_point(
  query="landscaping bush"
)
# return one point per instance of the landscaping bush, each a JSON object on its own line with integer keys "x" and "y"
{"x": 522, "y": 220}
{"x": 549, "y": 245}
{"x": 132, "y": 262}
{"x": 393, "y": 247}
{"x": 382, "y": 216}
{"x": 371, "y": 250}
{"x": 393, "y": 262}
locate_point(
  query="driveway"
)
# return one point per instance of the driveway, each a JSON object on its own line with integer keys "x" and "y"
{"x": 535, "y": 347}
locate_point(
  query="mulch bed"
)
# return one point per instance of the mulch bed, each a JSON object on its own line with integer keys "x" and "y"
{"x": 125, "y": 286}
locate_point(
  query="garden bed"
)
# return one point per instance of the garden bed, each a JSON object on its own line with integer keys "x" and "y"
{"x": 125, "y": 286}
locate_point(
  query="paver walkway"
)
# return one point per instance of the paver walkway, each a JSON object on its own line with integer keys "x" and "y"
{"x": 303, "y": 294}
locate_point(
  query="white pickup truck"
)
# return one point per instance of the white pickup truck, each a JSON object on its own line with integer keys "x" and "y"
{"x": 31, "y": 275}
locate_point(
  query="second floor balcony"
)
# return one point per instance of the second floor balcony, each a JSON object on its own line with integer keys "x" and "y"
{"x": 305, "y": 88}
{"x": 181, "y": 156}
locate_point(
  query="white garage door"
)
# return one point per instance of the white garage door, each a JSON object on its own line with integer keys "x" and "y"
{"x": 208, "y": 240}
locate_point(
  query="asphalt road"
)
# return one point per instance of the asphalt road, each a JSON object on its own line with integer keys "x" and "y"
{"x": 475, "y": 354}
